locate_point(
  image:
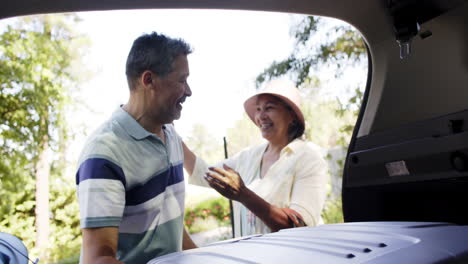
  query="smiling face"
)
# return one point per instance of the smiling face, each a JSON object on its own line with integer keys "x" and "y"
{"x": 273, "y": 117}
{"x": 172, "y": 91}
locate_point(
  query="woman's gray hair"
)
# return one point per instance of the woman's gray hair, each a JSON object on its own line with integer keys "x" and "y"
{"x": 154, "y": 52}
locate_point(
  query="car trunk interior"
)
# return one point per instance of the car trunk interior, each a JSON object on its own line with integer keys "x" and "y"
{"x": 408, "y": 158}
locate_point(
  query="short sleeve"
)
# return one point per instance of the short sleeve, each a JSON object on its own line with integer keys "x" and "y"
{"x": 201, "y": 167}
{"x": 198, "y": 173}
{"x": 101, "y": 193}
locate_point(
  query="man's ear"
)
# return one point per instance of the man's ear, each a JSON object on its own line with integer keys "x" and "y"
{"x": 147, "y": 78}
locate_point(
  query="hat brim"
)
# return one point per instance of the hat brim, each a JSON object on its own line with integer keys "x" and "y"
{"x": 250, "y": 106}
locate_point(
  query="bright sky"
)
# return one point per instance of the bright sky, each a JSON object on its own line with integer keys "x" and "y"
{"x": 230, "y": 49}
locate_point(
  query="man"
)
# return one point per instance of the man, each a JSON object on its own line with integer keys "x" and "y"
{"x": 130, "y": 176}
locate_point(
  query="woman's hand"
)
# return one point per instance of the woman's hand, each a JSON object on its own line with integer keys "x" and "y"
{"x": 227, "y": 182}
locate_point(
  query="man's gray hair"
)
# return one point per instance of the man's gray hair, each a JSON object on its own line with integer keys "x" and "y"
{"x": 154, "y": 52}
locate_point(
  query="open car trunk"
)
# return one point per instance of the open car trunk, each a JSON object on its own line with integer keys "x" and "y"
{"x": 408, "y": 159}
{"x": 405, "y": 179}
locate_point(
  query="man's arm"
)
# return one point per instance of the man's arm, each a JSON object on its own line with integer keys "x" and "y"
{"x": 100, "y": 245}
{"x": 187, "y": 242}
{"x": 189, "y": 159}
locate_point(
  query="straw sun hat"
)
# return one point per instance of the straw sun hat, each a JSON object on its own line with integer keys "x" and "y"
{"x": 282, "y": 89}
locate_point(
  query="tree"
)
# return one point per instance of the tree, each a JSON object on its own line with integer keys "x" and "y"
{"x": 36, "y": 79}
{"x": 324, "y": 125}
{"x": 343, "y": 46}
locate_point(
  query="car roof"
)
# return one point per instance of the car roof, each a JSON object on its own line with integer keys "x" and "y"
{"x": 341, "y": 9}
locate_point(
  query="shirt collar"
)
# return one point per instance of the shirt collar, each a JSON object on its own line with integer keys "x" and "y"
{"x": 133, "y": 128}
{"x": 292, "y": 147}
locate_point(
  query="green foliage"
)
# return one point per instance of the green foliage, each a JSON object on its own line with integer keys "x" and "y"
{"x": 70, "y": 260}
{"x": 33, "y": 79}
{"x": 333, "y": 212}
{"x": 347, "y": 45}
{"x": 207, "y": 215}
{"x": 340, "y": 46}
{"x": 324, "y": 125}
{"x": 37, "y": 55}
{"x": 65, "y": 237}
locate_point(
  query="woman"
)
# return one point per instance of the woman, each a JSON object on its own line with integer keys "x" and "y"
{"x": 278, "y": 184}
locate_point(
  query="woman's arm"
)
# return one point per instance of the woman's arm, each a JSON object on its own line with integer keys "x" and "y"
{"x": 229, "y": 184}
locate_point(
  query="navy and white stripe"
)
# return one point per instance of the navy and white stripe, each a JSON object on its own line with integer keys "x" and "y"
{"x": 129, "y": 179}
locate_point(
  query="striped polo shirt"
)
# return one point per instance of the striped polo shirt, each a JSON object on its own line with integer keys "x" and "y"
{"x": 127, "y": 178}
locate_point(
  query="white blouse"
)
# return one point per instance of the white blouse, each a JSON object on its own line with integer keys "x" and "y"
{"x": 297, "y": 180}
